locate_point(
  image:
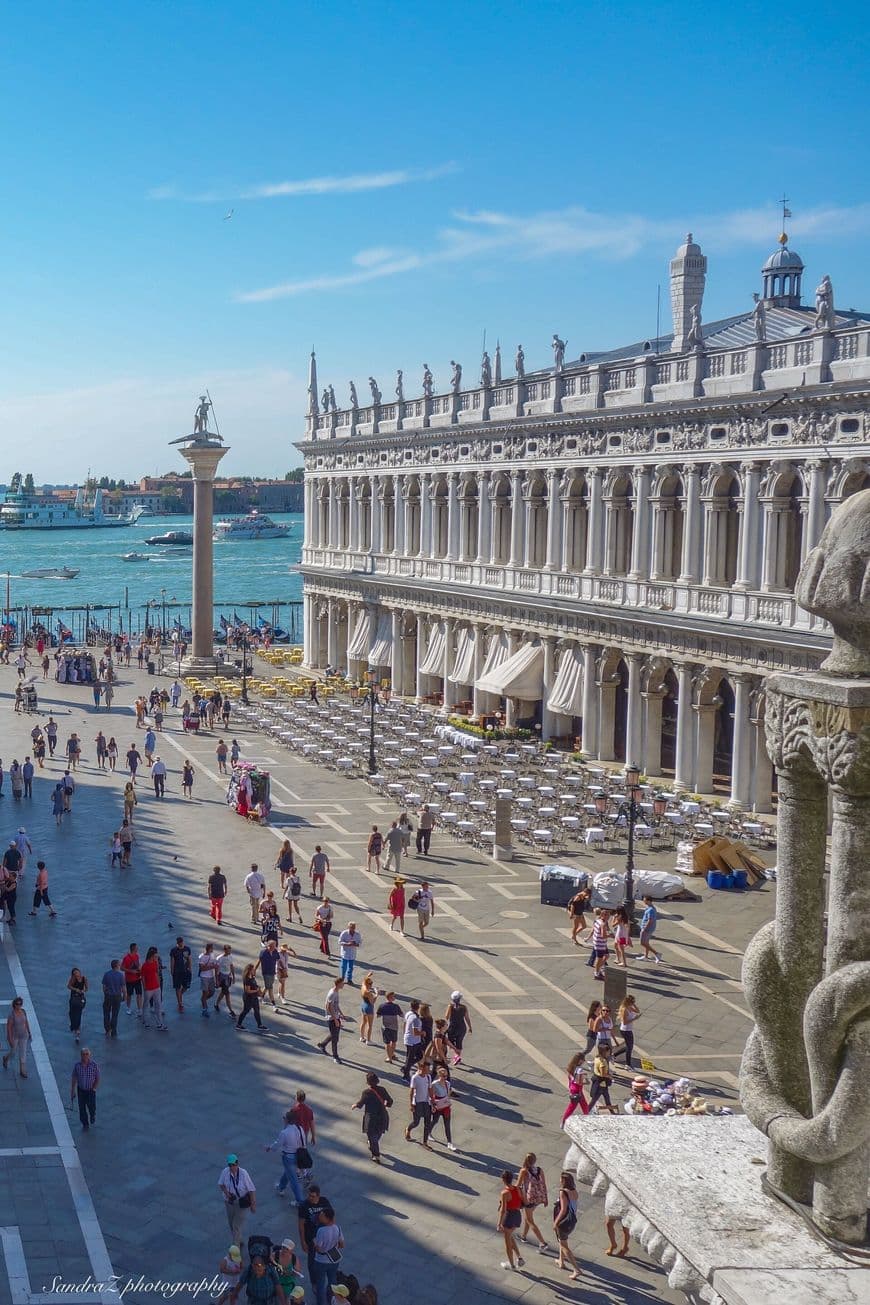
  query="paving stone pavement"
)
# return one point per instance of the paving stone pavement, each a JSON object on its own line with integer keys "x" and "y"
{"x": 171, "y": 1105}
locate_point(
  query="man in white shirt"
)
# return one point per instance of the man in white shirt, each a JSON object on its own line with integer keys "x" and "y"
{"x": 239, "y": 1194}
{"x": 349, "y": 941}
{"x": 425, "y": 907}
{"x": 207, "y": 968}
{"x": 334, "y": 1018}
{"x": 412, "y": 1038}
{"x": 395, "y": 841}
{"x": 289, "y": 1141}
{"x": 255, "y": 886}
{"x": 421, "y": 1107}
{"x": 158, "y": 775}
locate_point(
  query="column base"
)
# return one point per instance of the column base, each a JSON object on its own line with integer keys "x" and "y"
{"x": 200, "y": 665}
{"x": 735, "y": 805}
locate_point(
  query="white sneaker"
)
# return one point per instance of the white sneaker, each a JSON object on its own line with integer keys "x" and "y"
{"x": 506, "y": 1264}
{"x": 450, "y": 1146}
{"x": 658, "y": 960}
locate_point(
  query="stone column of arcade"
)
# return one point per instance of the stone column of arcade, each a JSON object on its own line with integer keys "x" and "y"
{"x": 203, "y": 456}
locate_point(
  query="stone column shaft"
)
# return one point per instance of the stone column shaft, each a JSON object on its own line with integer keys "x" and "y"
{"x": 691, "y": 526}
{"x": 740, "y": 752}
{"x": 634, "y": 719}
{"x": 555, "y": 542}
{"x": 589, "y": 738}
{"x": 516, "y": 558}
{"x": 203, "y": 461}
{"x": 640, "y": 533}
{"x": 747, "y": 571}
{"x": 685, "y": 722}
{"x": 594, "y": 523}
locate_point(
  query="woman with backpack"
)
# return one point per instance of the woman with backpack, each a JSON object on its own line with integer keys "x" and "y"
{"x": 565, "y": 1221}
{"x": 375, "y": 1104}
{"x": 533, "y": 1186}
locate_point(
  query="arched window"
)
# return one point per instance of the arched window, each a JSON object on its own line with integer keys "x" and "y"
{"x": 668, "y": 529}
{"x": 620, "y": 526}
{"x": 721, "y": 530}
{"x": 576, "y": 519}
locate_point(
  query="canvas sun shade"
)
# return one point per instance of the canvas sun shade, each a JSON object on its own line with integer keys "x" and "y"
{"x": 433, "y": 663}
{"x": 566, "y": 695}
{"x": 358, "y": 648}
{"x": 521, "y": 676}
{"x": 463, "y": 664}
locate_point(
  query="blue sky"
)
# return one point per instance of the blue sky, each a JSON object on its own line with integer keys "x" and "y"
{"x": 401, "y": 178}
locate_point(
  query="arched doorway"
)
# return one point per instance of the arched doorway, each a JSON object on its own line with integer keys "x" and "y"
{"x": 620, "y": 711}
{"x": 723, "y": 735}
{"x": 668, "y": 756}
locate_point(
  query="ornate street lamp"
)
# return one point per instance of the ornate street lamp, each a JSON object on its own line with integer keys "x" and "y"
{"x": 632, "y": 776}
{"x": 601, "y": 803}
{"x": 373, "y": 697}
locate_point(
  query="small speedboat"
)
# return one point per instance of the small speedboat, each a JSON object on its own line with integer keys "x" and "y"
{"x": 171, "y": 537}
{"x": 52, "y": 573}
{"x": 134, "y": 557}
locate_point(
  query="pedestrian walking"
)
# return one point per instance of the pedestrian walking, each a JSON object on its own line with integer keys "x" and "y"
{"x": 102, "y": 749}
{"x": 255, "y": 887}
{"x": 334, "y": 1019}
{"x": 627, "y": 1012}
{"x": 10, "y": 893}
{"x": 74, "y": 750}
{"x": 368, "y": 995}
{"x": 510, "y": 1216}
{"x": 27, "y": 773}
{"x": 396, "y": 904}
{"x": 565, "y": 1221}
{"x": 187, "y": 780}
{"x": 284, "y": 862}
{"x": 318, "y": 870}
{"x": 349, "y": 943}
{"x": 458, "y": 1025}
{"x": 270, "y": 921}
{"x": 602, "y": 1027}
{"x": 16, "y": 781}
{"x": 602, "y": 1079}
{"x": 390, "y": 1013}
{"x": 206, "y": 965}
{"x": 425, "y": 825}
{"x": 267, "y": 964}
{"x": 323, "y": 917}
{"x": 125, "y": 833}
{"x": 116, "y": 850}
{"x": 412, "y": 1038}
{"x": 230, "y": 1270}
{"x": 621, "y": 936}
{"x": 308, "y": 1215}
{"x": 112, "y": 753}
{"x": 131, "y": 965}
{"x": 328, "y": 1244}
{"x": 576, "y": 908}
{"x": 18, "y": 1036}
{"x": 40, "y": 891}
{"x": 51, "y": 735}
{"x": 226, "y": 976}
{"x": 158, "y": 777}
{"x": 152, "y": 998}
{"x": 375, "y": 1103}
{"x": 84, "y": 1081}
{"x": 374, "y": 848}
{"x": 251, "y": 994}
{"x": 576, "y": 1085}
{"x": 407, "y": 830}
{"x": 39, "y": 752}
{"x": 113, "y": 994}
{"x": 600, "y": 950}
{"x": 294, "y": 1156}
{"x": 134, "y": 756}
{"x": 285, "y": 955}
{"x": 235, "y": 752}
{"x": 419, "y": 1097}
{"x": 423, "y": 902}
{"x": 292, "y": 893}
{"x": 533, "y": 1189}
{"x": 98, "y": 693}
{"x": 130, "y": 801}
{"x": 149, "y": 743}
{"x": 240, "y": 1196}
{"x": 221, "y": 752}
{"x": 217, "y": 891}
{"x": 648, "y": 925}
{"x": 438, "y": 1048}
{"x": 303, "y": 1115}
{"x": 108, "y": 695}
{"x": 591, "y": 1017}
{"x": 442, "y": 1104}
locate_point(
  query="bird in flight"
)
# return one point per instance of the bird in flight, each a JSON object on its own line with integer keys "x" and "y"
{"x": 227, "y": 216}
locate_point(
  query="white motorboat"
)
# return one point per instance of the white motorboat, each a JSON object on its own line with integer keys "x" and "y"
{"x": 252, "y": 526}
{"x": 52, "y": 573}
{"x": 171, "y": 537}
{"x": 134, "y": 557}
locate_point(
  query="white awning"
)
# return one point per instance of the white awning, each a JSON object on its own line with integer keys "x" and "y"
{"x": 463, "y": 663}
{"x": 433, "y": 662}
{"x": 498, "y": 653}
{"x": 381, "y": 651}
{"x": 566, "y": 695}
{"x": 358, "y": 648}
{"x": 521, "y": 676}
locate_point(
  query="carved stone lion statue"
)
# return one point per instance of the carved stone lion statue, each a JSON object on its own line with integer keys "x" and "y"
{"x": 834, "y": 583}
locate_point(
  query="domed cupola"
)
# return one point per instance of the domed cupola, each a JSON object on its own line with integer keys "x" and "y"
{"x": 782, "y": 277}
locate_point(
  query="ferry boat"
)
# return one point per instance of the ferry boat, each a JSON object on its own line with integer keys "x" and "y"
{"x": 171, "y": 537}
{"x": 252, "y": 526}
{"x": 22, "y": 510}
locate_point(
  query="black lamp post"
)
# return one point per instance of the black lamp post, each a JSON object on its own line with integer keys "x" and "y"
{"x": 373, "y": 698}
{"x": 632, "y": 775}
{"x": 245, "y": 646}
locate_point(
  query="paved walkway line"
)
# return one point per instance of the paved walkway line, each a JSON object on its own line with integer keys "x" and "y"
{"x": 92, "y": 1234}
{"x": 421, "y": 957}
{"x": 711, "y": 938}
{"x": 696, "y": 961}
{"x": 13, "y": 1152}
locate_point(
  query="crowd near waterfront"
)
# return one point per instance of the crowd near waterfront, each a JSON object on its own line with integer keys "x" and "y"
{"x": 413, "y": 1049}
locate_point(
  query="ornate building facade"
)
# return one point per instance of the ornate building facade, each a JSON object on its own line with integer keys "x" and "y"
{"x": 604, "y": 549}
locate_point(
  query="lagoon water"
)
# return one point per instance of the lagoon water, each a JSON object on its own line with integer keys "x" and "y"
{"x": 247, "y": 571}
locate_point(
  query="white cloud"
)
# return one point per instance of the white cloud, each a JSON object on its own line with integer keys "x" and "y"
{"x": 351, "y": 184}
{"x": 571, "y": 231}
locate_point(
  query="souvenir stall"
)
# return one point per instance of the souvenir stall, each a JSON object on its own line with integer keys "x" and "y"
{"x": 75, "y": 667}
{"x": 248, "y": 792}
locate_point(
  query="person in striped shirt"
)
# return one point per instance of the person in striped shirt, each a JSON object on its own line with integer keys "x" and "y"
{"x": 600, "y": 934}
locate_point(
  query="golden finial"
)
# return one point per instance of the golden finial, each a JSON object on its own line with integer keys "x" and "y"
{"x": 783, "y": 239}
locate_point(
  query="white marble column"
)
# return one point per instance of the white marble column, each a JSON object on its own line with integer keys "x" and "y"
{"x": 407, "y": 518}
{"x": 307, "y": 628}
{"x": 594, "y": 523}
{"x": 309, "y": 501}
{"x": 516, "y": 557}
{"x": 484, "y": 519}
{"x": 548, "y": 718}
{"x": 706, "y": 713}
{"x": 510, "y": 704}
{"x": 652, "y": 744}
{"x": 691, "y": 524}
{"x": 453, "y": 516}
{"x": 479, "y": 659}
{"x": 529, "y": 529}
{"x": 640, "y": 533}
{"x": 771, "y": 547}
{"x": 555, "y": 542}
{"x": 748, "y": 550}
{"x": 450, "y": 689}
{"x": 332, "y": 632}
{"x": 354, "y": 515}
{"x": 463, "y": 552}
{"x": 203, "y": 461}
{"x": 815, "y": 521}
{"x": 315, "y": 634}
{"x": 634, "y": 716}
{"x": 425, "y": 549}
{"x": 399, "y": 503}
{"x": 762, "y": 777}
{"x": 568, "y": 528}
{"x": 377, "y": 514}
{"x": 684, "y": 770}
{"x": 741, "y": 764}
{"x": 419, "y": 686}
{"x": 397, "y": 662}
{"x": 589, "y": 738}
